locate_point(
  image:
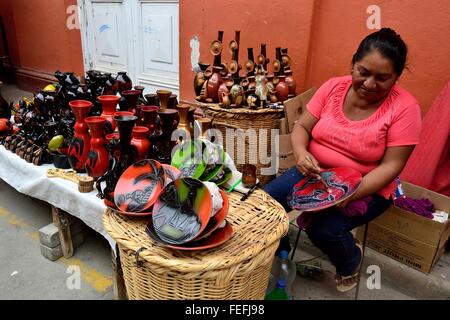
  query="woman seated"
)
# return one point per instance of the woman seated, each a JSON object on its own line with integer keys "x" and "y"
{"x": 364, "y": 121}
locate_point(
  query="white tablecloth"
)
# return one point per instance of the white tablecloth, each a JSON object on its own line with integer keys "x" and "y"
{"x": 31, "y": 180}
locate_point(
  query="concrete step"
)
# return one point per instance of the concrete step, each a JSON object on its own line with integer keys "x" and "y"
{"x": 398, "y": 281}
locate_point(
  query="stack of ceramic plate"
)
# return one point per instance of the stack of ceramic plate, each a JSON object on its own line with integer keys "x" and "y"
{"x": 139, "y": 186}
{"x": 190, "y": 215}
{"x": 203, "y": 160}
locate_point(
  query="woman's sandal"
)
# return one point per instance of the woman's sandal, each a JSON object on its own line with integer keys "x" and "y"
{"x": 346, "y": 283}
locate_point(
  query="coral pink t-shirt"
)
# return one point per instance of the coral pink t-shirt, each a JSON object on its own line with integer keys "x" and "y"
{"x": 340, "y": 142}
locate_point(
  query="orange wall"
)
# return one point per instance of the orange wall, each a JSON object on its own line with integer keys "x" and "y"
{"x": 259, "y": 22}
{"x": 321, "y": 36}
{"x": 335, "y": 27}
{"x": 423, "y": 25}
{"x": 40, "y": 38}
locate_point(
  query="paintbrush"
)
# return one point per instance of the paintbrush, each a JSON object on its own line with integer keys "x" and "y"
{"x": 234, "y": 186}
{"x": 245, "y": 196}
{"x": 318, "y": 176}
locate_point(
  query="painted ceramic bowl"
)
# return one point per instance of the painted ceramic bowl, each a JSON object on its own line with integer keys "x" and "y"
{"x": 172, "y": 173}
{"x": 139, "y": 186}
{"x": 216, "y": 160}
{"x": 311, "y": 195}
{"x": 190, "y": 159}
{"x": 217, "y": 237}
{"x": 216, "y": 221}
{"x": 222, "y": 176}
{"x": 182, "y": 211}
{"x": 113, "y": 207}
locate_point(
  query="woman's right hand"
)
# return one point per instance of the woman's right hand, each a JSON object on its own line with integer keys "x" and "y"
{"x": 307, "y": 164}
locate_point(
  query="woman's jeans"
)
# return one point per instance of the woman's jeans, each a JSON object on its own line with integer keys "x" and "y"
{"x": 329, "y": 229}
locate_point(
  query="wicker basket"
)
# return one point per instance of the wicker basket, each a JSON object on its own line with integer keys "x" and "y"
{"x": 238, "y": 269}
{"x": 242, "y": 118}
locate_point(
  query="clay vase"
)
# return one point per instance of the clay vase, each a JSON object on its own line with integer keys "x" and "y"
{"x": 140, "y": 143}
{"x": 185, "y": 125}
{"x": 226, "y": 102}
{"x": 163, "y": 96}
{"x": 97, "y": 162}
{"x": 223, "y": 88}
{"x": 131, "y": 98}
{"x": 80, "y": 144}
{"x": 213, "y": 85}
{"x": 149, "y": 115}
{"x": 161, "y": 143}
{"x": 123, "y": 82}
{"x": 290, "y": 82}
{"x": 141, "y": 99}
{"x": 191, "y": 115}
{"x": 205, "y": 124}
{"x": 122, "y": 113}
{"x": 173, "y": 101}
{"x": 200, "y": 78}
{"x": 125, "y": 126}
{"x": 114, "y": 148}
{"x": 237, "y": 95}
{"x": 152, "y": 99}
{"x": 273, "y": 96}
{"x": 282, "y": 89}
{"x": 109, "y": 106}
{"x": 5, "y": 126}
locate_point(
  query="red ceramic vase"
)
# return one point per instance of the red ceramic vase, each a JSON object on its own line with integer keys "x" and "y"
{"x": 80, "y": 144}
{"x": 98, "y": 158}
{"x": 109, "y": 105}
{"x": 213, "y": 84}
{"x": 5, "y": 126}
{"x": 222, "y": 89}
{"x": 140, "y": 143}
{"x": 290, "y": 82}
{"x": 282, "y": 89}
{"x": 149, "y": 115}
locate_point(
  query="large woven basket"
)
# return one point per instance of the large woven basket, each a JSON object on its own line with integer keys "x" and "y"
{"x": 238, "y": 269}
{"x": 243, "y": 118}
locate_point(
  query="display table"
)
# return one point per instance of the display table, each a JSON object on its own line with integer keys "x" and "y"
{"x": 32, "y": 180}
{"x": 238, "y": 269}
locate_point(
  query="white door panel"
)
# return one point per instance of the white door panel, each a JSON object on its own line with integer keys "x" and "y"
{"x": 137, "y": 36}
{"x": 158, "y": 44}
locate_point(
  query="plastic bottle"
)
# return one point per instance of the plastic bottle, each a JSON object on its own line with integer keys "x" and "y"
{"x": 279, "y": 293}
{"x": 282, "y": 269}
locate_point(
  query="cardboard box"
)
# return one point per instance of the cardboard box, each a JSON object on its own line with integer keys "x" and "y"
{"x": 293, "y": 108}
{"x": 407, "y": 237}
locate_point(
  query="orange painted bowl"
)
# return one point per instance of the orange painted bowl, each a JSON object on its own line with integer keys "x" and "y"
{"x": 182, "y": 211}
{"x": 216, "y": 221}
{"x": 113, "y": 207}
{"x": 172, "y": 173}
{"x": 139, "y": 186}
{"x": 217, "y": 237}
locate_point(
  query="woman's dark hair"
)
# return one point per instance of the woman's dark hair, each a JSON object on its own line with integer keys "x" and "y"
{"x": 388, "y": 43}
